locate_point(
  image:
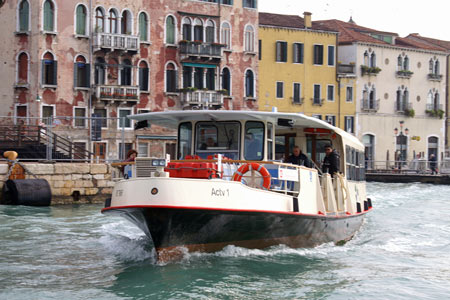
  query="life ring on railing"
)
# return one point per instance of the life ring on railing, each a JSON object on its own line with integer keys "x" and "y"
{"x": 237, "y": 176}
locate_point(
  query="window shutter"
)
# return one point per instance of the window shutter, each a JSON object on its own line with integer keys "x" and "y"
{"x": 87, "y": 75}
{"x": 75, "y": 75}
{"x": 43, "y": 72}
{"x": 55, "y": 72}
{"x": 284, "y": 47}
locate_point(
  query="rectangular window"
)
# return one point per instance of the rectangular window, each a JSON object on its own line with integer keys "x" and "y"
{"x": 21, "y": 114}
{"x": 79, "y": 150}
{"x": 318, "y": 54}
{"x": 296, "y": 97}
{"x": 49, "y": 72}
{"x": 280, "y": 89}
{"x": 79, "y": 117}
{"x": 349, "y": 124}
{"x": 143, "y": 79}
{"x": 143, "y": 149}
{"x": 330, "y": 92}
{"x": 81, "y": 75}
{"x": 249, "y": 3}
{"x": 298, "y": 53}
{"x": 317, "y": 116}
{"x": 48, "y": 112}
{"x": 259, "y": 49}
{"x": 330, "y": 119}
{"x": 101, "y": 113}
{"x": 123, "y": 149}
{"x": 316, "y": 99}
{"x": 281, "y": 51}
{"x": 349, "y": 94}
{"x": 331, "y": 55}
{"x": 124, "y": 122}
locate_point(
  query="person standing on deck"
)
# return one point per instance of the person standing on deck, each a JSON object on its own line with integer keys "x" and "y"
{"x": 298, "y": 158}
{"x": 331, "y": 161}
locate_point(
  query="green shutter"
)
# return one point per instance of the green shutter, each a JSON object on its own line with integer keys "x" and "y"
{"x": 143, "y": 27}
{"x": 23, "y": 16}
{"x": 170, "y": 30}
{"x": 43, "y": 72}
{"x": 87, "y": 75}
{"x": 48, "y": 16}
{"x": 75, "y": 75}
{"x": 81, "y": 20}
{"x": 55, "y": 72}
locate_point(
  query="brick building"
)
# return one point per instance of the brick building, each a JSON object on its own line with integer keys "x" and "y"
{"x": 65, "y": 61}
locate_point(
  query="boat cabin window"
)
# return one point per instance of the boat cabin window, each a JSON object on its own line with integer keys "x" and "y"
{"x": 270, "y": 133}
{"x": 217, "y": 138}
{"x": 184, "y": 140}
{"x": 355, "y": 169}
{"x": 316, "y": 148}
{"x": 253, "y": 142}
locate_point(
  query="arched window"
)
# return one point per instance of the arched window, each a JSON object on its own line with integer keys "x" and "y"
{"x": 211, "y": 79}
{"x": 406, "y": 63}
{"x": 99, "y": 20}
{"x": 366, "y": 58}
{"x": 143, "y": 76}
{"x": 225, "y": 35}
{"x": 100, "y": 71}
{"x": 24, "y": 15}
{"x": 249, "y": 84}
{"x": 187, "y": 29}
{"x": 143, "y": 27}
{"x": 372, "y": 101}
{"x": 81, "y": 20}
{"x": 373, "y": 60}
{"x": 400, "y": 62}
{"x": 81, "y": 72}
{"x": 436, "y": 67}
{"x": 125, "y": 74}
{"x": 22, "y": 68}
{"x": 113, "y": 28}
{"x": 198, "y": 30}
{"x": 210, "y": 31}
{"x": 49, "y": 16}
{"x": 398, "y": 101}
{"x": 433, "y": 146}
{"x": 431, "y": 66}
{"x": 171, "y": 78}
{"x": 226, "y": 81}
{"x": 126, "y": 23}
{"x": 170, "y": 30}
{"x": 49, "y": 69}
{"x": 436, "y": 102}
{"x": 249, "y": 39}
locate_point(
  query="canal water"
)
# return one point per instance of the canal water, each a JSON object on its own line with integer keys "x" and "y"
{"x": 74, "y": 252}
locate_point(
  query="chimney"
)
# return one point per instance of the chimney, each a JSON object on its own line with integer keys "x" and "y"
{"x": 307, "y": 19}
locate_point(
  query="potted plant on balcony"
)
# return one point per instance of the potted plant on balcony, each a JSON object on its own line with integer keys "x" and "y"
{"x": 410, "y": 112}
{"x": 223, "y": 92}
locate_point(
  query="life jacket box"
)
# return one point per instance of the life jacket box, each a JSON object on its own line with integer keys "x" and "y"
{"x": 202, "y": 170}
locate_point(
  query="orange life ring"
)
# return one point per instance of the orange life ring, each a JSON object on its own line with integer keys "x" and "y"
{"x": 237, "y": 176}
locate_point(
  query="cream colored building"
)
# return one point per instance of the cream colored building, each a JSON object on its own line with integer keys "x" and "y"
{"x": 400, "y": 93}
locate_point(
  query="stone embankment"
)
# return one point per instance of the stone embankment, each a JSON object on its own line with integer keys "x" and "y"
{"x": 70, "y": 182}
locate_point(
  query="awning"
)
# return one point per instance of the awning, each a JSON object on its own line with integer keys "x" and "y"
{"x": 196, "y": 65}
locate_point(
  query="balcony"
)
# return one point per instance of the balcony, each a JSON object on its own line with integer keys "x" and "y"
{"x": 346, "y": 70}
{"x": 317, "y": 101}
{"x": 200, "y": 49}
{"x": 435, "y": 110}
{"x": 200, "y": 99}
{"x": 404, "y": 74}
{"x": 297, "y": 101}
{"x": 117, "y": 93}
{"x": 113, "y": 41}
{"x": 370, "y": 105}
{"x": 434, "y": 77}
{"x": 371, "y": 71}
{"x": 404, "y": 108}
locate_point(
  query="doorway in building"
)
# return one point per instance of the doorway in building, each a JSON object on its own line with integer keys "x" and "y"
{"x": 99, "y": 151}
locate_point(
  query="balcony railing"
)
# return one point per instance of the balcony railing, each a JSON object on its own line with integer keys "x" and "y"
{"x": 113, "y": 41}
{"x": 404, "y": 74}
{"x": 370, "y": 105}
{"x": 346, "y": 69}
{"x": 369, "y": 70}
{"x": 298, "y": 101}
{"x": 200, "y": 49}
{"x": 117, "y": 93}
{"x": 435, "y": 110}
{"x": 202, "y": 98}
{"x": 317, "y": 101}
{"x": 403, "y": 107}
{"x": 434, "y": 77}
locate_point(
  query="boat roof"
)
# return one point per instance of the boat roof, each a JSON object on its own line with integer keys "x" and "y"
{"x": 171, "y": 119}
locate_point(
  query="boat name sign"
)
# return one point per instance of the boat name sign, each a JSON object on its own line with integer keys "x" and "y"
{"x": 288, "y": 174}
{"x": 220, "y": 192}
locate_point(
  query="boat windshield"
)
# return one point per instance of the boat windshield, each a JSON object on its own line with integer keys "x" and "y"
{"x": 217, "y": 138}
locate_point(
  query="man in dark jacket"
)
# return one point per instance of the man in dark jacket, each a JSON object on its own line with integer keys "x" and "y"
{"x": 298, "y": 158}
{"x": 331, "y": 161}
{"x": 433, "y": 164}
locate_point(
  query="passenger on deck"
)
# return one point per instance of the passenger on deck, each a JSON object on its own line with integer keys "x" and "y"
{"x": 298, "y": 158}
{"x": 331, "y": 161}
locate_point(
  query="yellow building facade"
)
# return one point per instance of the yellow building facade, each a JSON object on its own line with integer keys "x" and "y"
{"x": 298, "y": 71}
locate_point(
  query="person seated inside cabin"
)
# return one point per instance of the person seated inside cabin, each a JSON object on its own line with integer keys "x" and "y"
{"x": 253, "y": 147}
{"x": 331, "y": 161}
{"x": 298, "y": 158}
{"x": 209, "y": 143}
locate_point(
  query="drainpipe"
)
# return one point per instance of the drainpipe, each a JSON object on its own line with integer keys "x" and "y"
{"x": 446, "y": 103}
{"x": 338, "y": 79}
{"x": 91, "y": 77}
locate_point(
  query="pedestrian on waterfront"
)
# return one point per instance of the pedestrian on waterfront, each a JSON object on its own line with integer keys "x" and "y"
{"x": 131, "y": 155}
{"x": 433, "y": 164}
{"x": 298, "y": 158}
{"x": 331, "y": 161}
